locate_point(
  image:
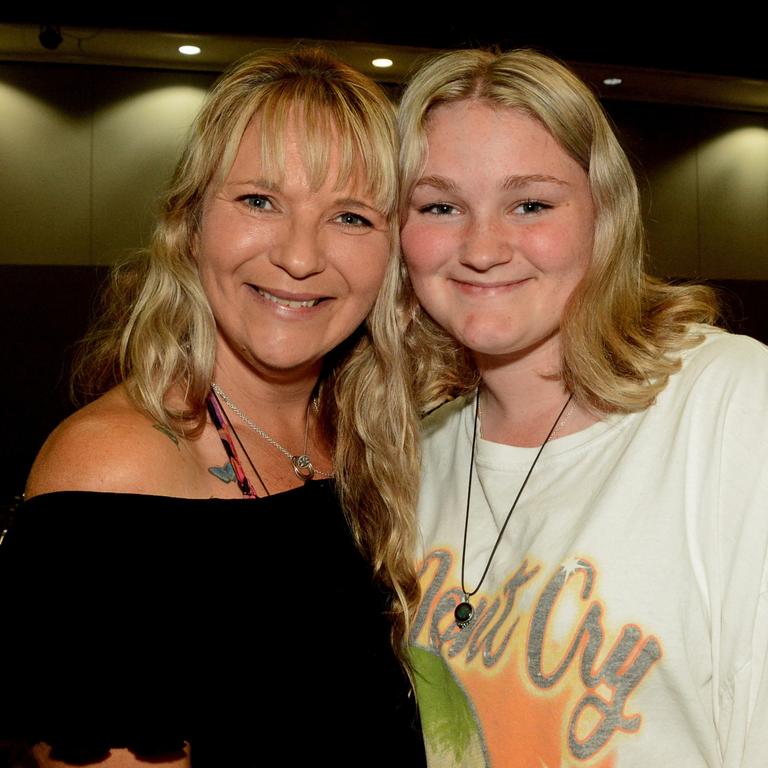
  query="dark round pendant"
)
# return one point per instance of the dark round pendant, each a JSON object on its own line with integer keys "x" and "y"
{"x": 463, "y": 613}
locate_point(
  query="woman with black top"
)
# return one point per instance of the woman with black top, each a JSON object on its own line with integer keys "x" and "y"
{"x": 184, "y": 584}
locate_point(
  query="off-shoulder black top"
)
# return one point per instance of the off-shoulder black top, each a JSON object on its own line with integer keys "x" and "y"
{"x": 243, "y": 627}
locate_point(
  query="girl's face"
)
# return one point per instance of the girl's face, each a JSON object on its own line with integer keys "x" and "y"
{"x": 499, "y": 229}
{"x": 289, "y": 271}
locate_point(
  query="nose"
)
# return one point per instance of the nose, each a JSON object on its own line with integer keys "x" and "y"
{"x": 485, "y": 244}
{"x": 298, "y": 250}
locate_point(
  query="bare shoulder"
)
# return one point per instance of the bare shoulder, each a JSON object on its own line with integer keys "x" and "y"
{"x": 109, "y": 445}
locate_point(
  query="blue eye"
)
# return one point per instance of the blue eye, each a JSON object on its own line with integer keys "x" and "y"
{"x": 438, "y": 209}
{"x": 528, "y": 207}
{"x": 352, "y": 220}
{"x": 260, "y": 202}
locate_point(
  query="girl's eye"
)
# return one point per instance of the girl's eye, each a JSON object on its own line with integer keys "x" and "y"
{"x": 438, "y": 209}
{"x": 261, "y": 202}
{"x": 352, "y": 220}
{"x": 531, "y": 206}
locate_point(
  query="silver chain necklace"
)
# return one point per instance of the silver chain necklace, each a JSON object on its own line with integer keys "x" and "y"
{"x": 302, "y": 465}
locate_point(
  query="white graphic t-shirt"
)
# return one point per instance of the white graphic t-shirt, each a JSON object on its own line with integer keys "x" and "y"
{"x": 624, "y": 618}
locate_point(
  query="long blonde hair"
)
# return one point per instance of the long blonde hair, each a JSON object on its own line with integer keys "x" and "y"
{"x": 622, "y": 330}
{"x": 158, "y": 332}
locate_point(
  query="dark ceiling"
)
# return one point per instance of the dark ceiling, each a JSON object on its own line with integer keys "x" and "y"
{"x": 722, "y": 43}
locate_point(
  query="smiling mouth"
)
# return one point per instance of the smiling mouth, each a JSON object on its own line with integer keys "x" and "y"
{"x": 498, "y": 287}
{"x": 289, "y": 303}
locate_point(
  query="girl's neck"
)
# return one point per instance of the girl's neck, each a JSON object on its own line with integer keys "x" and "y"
{"x": 521, "y": 397}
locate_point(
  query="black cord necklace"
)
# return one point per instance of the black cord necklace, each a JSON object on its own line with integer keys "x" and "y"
{"x": 464, "y": 611}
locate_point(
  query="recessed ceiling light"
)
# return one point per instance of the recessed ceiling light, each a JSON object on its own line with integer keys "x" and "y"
{"x": 189, "y": 50}
{"x": 612, "y": 81}
{"x": 382, "y": 63}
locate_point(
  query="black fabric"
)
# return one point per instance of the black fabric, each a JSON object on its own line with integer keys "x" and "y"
{"x": 146, "y": 621}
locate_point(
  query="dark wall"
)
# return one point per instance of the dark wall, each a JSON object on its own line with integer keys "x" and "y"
{"x": 703, "y": 175}
{"x": 43, "y": 312}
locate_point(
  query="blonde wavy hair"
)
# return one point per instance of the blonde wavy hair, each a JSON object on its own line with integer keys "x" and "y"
{"x": 622, "y": 330}
{"x": 158, "y": 331}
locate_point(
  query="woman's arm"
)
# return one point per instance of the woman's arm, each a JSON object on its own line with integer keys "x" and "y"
{"x": 73, "y": 584}
{"x": 118, "y": 758}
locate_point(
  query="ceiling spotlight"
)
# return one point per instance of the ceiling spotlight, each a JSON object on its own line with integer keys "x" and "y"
{"x": 382, "y": 63}
{"x": 612, "y": 81}
{"x": 189, "y": 50}
{"x": 50, "y": 36}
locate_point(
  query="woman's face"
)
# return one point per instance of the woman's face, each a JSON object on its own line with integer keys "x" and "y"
{"x": 289, "y": 271}
{"x": 499, "y": 229}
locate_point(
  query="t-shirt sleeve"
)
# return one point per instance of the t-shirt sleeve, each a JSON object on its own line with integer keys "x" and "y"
{"x": 740, "y": 587}
{"x": 756, "y": 741}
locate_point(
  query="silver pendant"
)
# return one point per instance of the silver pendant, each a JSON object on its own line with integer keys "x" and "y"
{"x": 302, "y": 467}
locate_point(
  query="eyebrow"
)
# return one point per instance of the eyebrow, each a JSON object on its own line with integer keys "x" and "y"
{"x": 438, "y": 182}
{"x": 356, "y": 202}
{"x": 510, "y": 182}
{"x": 513, "y": 182}
{"x": 270, "y": 186}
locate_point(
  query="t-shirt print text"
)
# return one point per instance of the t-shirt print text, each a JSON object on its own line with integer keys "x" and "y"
{"x": 552, "y": 635}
